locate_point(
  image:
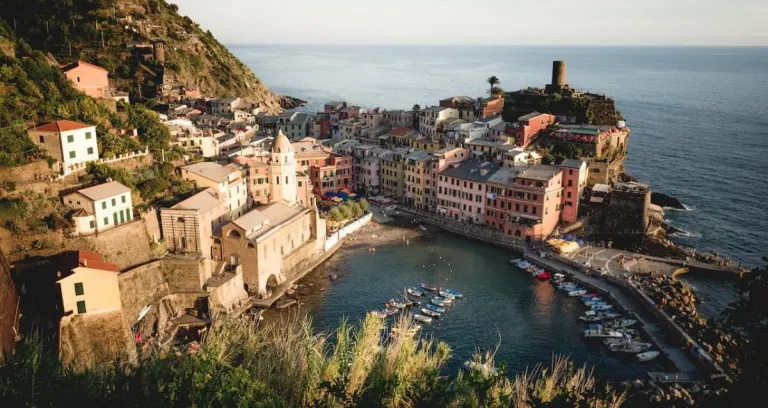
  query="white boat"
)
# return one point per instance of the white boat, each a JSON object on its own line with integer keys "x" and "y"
{"x": 422, "y": 318}
{"x": 430, "y": 313}
{"x": 523, "y": 264}
{"x": 602, "y": 334}
{"x": 423, "y": 228}
{"x": 648, "y": 355}
{"x": 480, "y": 368}
{"x": 454, "y": 293}
{"x": 614, "y": 340}
{"x": 414, "y": 292}
{"x": 446, "y": 294}
{"x": 590, "y": 319}
{"x": 630, "y": 347}
{"x": 446, "y": 301}
{"x": 575, "y": 293}
{"x": 436, "y": 302}
{"x": 601, "y": 307}
{"x": 434, "y": 308}
{"x": 590, "y": 313}
{"x": 395, "y": 304}
{"x": 619, "y": 323}
{"x": 590, "y": 300}
{"x": 607, "y": 315}
{"x": 559, "y": 276}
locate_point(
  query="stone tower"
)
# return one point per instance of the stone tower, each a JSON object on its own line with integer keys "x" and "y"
{"x": 558, "y": 73}
{"x": 282, "y": 170}
{"x": 158, "y": 51}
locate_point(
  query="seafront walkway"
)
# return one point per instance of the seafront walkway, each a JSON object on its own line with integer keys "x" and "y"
{"x": 651, "y": 326}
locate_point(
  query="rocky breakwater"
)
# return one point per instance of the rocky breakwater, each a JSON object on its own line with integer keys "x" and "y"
{"x": 667, "y": 394}
{"x": 679, "y": 301}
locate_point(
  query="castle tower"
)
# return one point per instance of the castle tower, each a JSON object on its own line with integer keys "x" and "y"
{"x": 282, "y": 170}
{"x": 558, "y": 73}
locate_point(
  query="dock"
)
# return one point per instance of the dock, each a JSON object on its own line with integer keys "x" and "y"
{"x": 684, "y": 364}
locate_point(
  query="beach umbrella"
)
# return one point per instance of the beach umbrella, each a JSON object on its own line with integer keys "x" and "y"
{"x": 331, "y": 194}
{"x": 344, "y": 191}
{"x": 343, "y": 195}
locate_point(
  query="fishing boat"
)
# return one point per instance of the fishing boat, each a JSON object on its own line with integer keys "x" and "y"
{"x": 591, "y": 295}
{"x": 391, "y": 311}
{"x": 430, "y": 313}
{"x": 590, "y": 319}
{"x": 648, "y": 355}
{"x": 567, "y": 287}
{"x": 422, "y": 318}
{"x": 379, "y": 313}
{"x": 522, "y": 264}
{"x": 619, "y": 323}
{"x": 601, "y": 307}
{"x": 630, "y": 347}
{"x": 481, "y": 368}
{"x": 614, "y": 340}
{"x": 543, "y": 276}
{"x": 434, "y": 308}
{"x": 414, "y": 292}
{"x": 575, "y": 293}
{"x": 426, "y": 286}
{"x": 423, "y": 228}
{"x": 589, "y": 300}
{"x": 609, "y": 315}
{"x": 447, "y": 301}
{"x": 602, "y": 334}
{"x": 454, "y": 293}
{"x": 437, "y": 302}
{"x": 446, "y": 294}
{"x": 590, "y": 313}
{"x": 395, "y": 304}
{"x": 411, "y": 303}
{"x": 559, "y": 276}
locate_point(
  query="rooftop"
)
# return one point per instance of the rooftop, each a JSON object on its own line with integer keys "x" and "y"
{"x": 585, "y": 129}
{"x": 60, "y": 126}
{"x": 571, "y": 163}
{"x": 86, "y": 259}
{"x": 540, "y": 173}
{"x": 505, "y": 175}
{"x": 203, "y": 202}
{"x": 105, "y": 190}
{"x": 210, "y": 170}
{"x": 472, "y": 170}
{"x": 529, "y": 116}
{"x": 419, "y": 155}
{"x": 260, "y": 221}
{"x": 80, "y": 63}
{"x": 401, "y": 131}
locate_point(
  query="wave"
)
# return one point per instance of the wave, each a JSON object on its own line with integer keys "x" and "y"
{"x": 686, "y": 208}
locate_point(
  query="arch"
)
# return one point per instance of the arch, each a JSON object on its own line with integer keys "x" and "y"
{"x": 272, "y": 281}
{"x": 234, "y": 233}
{"x": 180, "y": 220}
{"x": 517, "y": 233}
{"x": 250, "y": 245}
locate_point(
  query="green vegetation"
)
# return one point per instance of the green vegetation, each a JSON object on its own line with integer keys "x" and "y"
{"x": 15, "y": 208}
{"x": 156, "y": 183}
{"x": 288, "y": 364}
{"x": 347, "y": 211}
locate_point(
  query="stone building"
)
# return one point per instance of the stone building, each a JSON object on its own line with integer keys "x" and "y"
{"x": 188, "y": 226}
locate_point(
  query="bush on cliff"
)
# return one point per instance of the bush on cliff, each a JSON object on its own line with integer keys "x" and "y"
{"x": 288, "y": 364}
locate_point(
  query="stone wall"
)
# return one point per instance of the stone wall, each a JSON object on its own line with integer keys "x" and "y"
{"x": 152, "y": 221}
{"x": 126, "y": 245}
{"x": 34, "y": 172}
{"x": 141, "y": 286}
{"x": 183, "y": 274}
{"x": 90, "y": 340}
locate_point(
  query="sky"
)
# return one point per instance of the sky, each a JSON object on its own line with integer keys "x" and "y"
{"x": 483, "y": 22}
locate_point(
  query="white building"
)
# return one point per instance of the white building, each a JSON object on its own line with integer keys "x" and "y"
{"x": 432, "y": 118}
{"x": 72, "y": 144}
{"x": 230, "y": 181}
{"x": 100, "y": 208}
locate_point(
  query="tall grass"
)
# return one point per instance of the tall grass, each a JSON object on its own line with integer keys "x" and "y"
{"x": 288, "y": 364}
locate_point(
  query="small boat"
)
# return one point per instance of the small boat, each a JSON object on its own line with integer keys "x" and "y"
{"x": 619, "y": 323}
{"x": 423, "y": 228}
{"x": 615, "y": 340}
{"x": 428, "y": 287}
{"x": 391, "y": 311}
{"x": 411, "y": 303}
{"x": 430, "y": 313}
{"x": 422, "y": 318}
{"x": 543, "y": 276}
{"x": 395, "y": 304}
{"x": 446, "y": 294}
{"x": 648, "y": 355}
{"x": 447, "y": 301}
{"x": 591, "y": 295}
{"x": 590, "y": 319}
{"x": 590, "y": 313}
{"x": 602, "y": 334}
{"x": 414, "y": 292}
{"x": 608, "y": 315}
{"x": 379, "y": 313}
{"x": 601, "y": 307}
{"x": 434, "y": 308}
{"x": 480, "y": 368}
{"x": 522, "y": 264}
{"x": 575, "y": 293}
{"x": 559, "y": 276}
{"x": 630, "y": 347}
{"x": 591, "y": 300}
{"x": 454, "y": 293}
{"x": 437, "y": 302}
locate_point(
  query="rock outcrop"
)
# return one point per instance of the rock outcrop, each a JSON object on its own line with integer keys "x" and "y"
{"x": 666, "y": 201}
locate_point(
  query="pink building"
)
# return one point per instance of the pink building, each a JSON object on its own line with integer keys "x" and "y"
{"x": 527, "y": 127}
{"x": 461, "y": 190}
{"x": 332, "y": 175}
{"x": 574, "y": 181}
{"x": 442, "y": 159}
{"x": 525, "y": 203}
{"x": 89, "y": 79}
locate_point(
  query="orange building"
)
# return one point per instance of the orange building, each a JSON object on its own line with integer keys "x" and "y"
{"x": 332, "y": 174}
{"x": 89, "y": 79}
{"x": 528, "y": 127}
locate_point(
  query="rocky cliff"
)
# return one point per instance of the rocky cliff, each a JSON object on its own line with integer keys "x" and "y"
{"x": 122, "y": 36}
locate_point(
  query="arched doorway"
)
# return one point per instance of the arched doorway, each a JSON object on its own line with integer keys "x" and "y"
{"x": 271, "y": 281}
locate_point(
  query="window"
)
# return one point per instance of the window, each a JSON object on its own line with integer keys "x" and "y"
{"x": 72, "y": 154}
{"x": 533, "y": 210}
{"x": 87, "y": 135}
{"x": 91, "y": 224}
{"x": 90, "y": 150}
{"x": 81, "y": 306}
{"x": 114, "y": 217}
{"x": 122, "y": 199}
{"x": 42, "y": 139}
{"x": 78, "y": 79}
{"x": 570, "y": 183}
{"x": 70, "y": 138}
{"x": 103, "y": 205}
{"x": 114, "y": 202}
{"x": 79, "y": 291}
{"x": 569, "y": 194}
{"x": 299, "y": 183}
{"x": 106, "y": 220}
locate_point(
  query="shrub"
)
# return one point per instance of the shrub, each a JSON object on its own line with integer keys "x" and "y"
{"x": 336, "y": 214}
{"x": 14, "y": 226}
{"x": 364, "y": 204}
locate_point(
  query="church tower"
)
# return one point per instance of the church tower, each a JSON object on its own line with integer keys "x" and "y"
{"x": 283, "y": 170}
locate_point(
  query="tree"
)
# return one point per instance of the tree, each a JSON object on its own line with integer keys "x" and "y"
{"x": 336, "y": 214}
{"x": 151, "y": 132}
{"x": 416, "y": 109}
{"x": 345, "y": 211}
{"x": 364, "y": 204}
{"x": 492, "y": 81}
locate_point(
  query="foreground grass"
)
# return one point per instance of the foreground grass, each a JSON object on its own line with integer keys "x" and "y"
{"x": 288, "y": 364}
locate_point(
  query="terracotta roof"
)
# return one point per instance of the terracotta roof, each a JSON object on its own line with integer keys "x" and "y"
{"x": 81, "y": 212}
{"x": 83, "y": 63}
{"x": 60, "y": 126}
{"x": 87, "y": 259}
{"x": 401, "y": 131}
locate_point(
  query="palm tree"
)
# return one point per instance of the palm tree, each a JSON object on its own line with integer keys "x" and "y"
{"x": 416, "y": 108}
{"x": 492, "y": 81}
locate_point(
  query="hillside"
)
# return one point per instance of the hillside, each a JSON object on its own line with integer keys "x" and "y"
{"x": 105, "y": 32}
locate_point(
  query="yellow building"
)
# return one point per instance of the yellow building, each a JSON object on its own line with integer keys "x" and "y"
{"x": 416, "y": 169}
{"x": 88, "y": 284}
{"x": 393, "y": 172}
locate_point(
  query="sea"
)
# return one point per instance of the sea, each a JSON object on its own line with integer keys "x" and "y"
{"x": 699, "y": 115}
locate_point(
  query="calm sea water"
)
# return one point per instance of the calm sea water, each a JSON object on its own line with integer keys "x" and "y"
{"x": 530, "y": 320}
{"x": 699, "y": 116}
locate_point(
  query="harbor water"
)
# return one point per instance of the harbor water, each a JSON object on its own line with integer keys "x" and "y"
{"x": 528, "y": 319}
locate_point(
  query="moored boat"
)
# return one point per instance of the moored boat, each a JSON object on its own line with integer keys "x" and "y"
{"x": 543, "y": 276}
{"x": 648, "y": 355}
{"x": 446, "y": 294}
{"x": 630, "y": 347}
{"x": 414, "y": 292}
{"x": 575, "y": 293}
{"x": 602, "y": 334}
{"x": 430, "y": 313}
{"x": 447, "y": 301}
{"x": 454, "y": 293}
{"x": 590, "y": 319}
{"x": 434, "y": 308}
{"x": 379, "y": 313}
{"x": 601, "y": 307}
{"x": 394, "y": 304}
{"x": 391, "y": 311}
{"x": 422, "y": 318}
{"x": 619, "y": 323}
{"x": 437, "y": 302}
{"x": 426, "y": 286}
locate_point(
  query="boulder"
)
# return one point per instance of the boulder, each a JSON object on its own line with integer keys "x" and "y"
{"x": 666, "y": 201}
{"x": 333, "y": 276}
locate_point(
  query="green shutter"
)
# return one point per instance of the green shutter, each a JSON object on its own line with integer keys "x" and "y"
{"x": 88, "y": 135}
{"x": 72, "y": 154}
{"x": 106, "y": 220}
{"x": 79, "y": 291}
{"x": 122, "y": 217}
{"x": 114, "y": 202}
{"x": 70, "y": 139}
{"x": 90, "y": 150}
{"x": 103, "y": 205}
{"x": 122, "y": 198}
{"x": 114, "y": 216}
{"x": 81, "y": 306}
{"x": 90, "y": 224}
